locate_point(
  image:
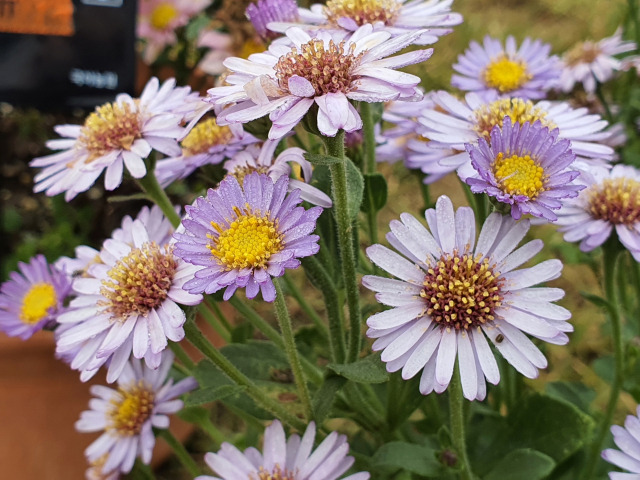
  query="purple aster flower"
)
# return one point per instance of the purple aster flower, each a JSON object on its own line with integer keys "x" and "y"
{"x": 127, "y": 300}
{"x": 590, "y": 62}
{"x": 525, "y": 166}
{"x": 261, "y": 160}
{"x": 117, "y": 135}
{"x": 261, "y": 13}
{"x": 142, "y": 401}
{"x": 627, "y": 439}
{"x": 244, "y": 236}
{"x": 610, "y": 201}
{"x": 327, "y": 70}
{"x": 206, "y": 144}
{"x": 452, "y": 123}
{"x": 394, "y": 16}
{"x": 452, "y": 292}
{"x": 32, "y": 299}
{"x": 494, "y": 71}
{"x": 292, "y": 459}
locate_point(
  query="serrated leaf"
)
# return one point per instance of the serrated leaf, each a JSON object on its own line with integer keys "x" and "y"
{"x": 552, "y": 426}
{"x": 367, "y": 370}
{"x": 211, "y": 394}
{"x": 375, "y": 192}
{"x": 318, "y": 159}
{"x": 523, "y": 464}
{"x": 414, "y": 458}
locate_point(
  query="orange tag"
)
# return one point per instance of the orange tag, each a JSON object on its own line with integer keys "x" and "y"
{"x": 41, "y": 17}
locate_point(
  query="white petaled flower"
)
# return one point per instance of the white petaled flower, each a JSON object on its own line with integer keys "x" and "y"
{"x": 452, "y": 123}
{"x": 496, "y": 71}
{"x": 453, "y": 292}
{"x": 327, "y": 70}
{"x": 262, "y": 160}
{"x": 610, "y": 201}
{"x": 627, "y": 439}
{"x": 394, "y": 16}
{"x": 127, "y": 301}
{"x": 590, "y": 62}
{"x": 116, "y": 135}
{"x": 283, "y": 459}
{"x": 142, "y": 401}
{"x": 206, "y": 144}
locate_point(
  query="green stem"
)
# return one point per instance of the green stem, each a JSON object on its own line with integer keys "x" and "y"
{"x": 150, "y": 186}
{"x": 290, "y": 349}
{"x": 323, "y": 281}
{"x": 306, "y": 308}
{"x": 210, "y": 429}
{"x": 141, "y": 471}
{"x": 180, "y": 452}
{"x": 272, "y": 334}
{"x": 634, "y": 15}
{"x": 609, "y": 259}
{"x": 456, "y": 411}
{"x": 368, "y": 129}
{"x": 335, "y": 148}
{"x": 211, "y": 319}
{"x": 603, "y": 101}
{"x": 213, "y": 305}
{"x": 201, "y": 343}
{"x": 181, "y": 355}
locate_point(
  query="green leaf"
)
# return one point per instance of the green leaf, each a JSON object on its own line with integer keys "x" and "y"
{"x": 196, "y": 415}
{"x": 414, "y": 458}
{"x": 575, "y": 393}
{"x": 193, "y": 29}
{"x": 355, "y": 188}
{"x": 523, "y": 464}
{"x": 258, "y": 360}
{"x": 375, "y": 192}
{"x": 597, "y": 301}
{"x": 211, "y": 394}
{"x": 318, "y": 159}
{"x": 550, "y": 425}
{"x": 367, "y": 370}
{"x": 324, "y": 397}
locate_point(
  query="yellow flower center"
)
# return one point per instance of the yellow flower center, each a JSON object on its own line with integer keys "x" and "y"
{"x": 205, "y": 135}
{"x": 518, "y": 110}
{"x": 506, "y": 74}
{"x": 519, "y": 175}
{"x": 133, "y": 407}
{"x": 111, "y": 127}
{"x": 251, "y": 46}
{"x": 162, "y": 16}
{"x": 249, "y": 241}
{"x": 277, "y": 474}
{"x": 615, "y": 200}
{"x": 37, "y": 302}
{"x": 363, "y": 11}
{"x": 583, "y": 52}
{"x": 240, "y": 172}
{"x": 139, "y": 282}
{"x": 328, "y": 69}
{"x": 461, "y": 291}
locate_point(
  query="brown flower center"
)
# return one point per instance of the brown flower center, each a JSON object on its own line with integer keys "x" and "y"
{"x": 139, "y": 282}
{"x": 363, "y": 11}
{"x": 111, "y": 127}
{"x": 327, "y": 69}
{"x": 583, "y": 52}
{"x": 242, "y": 171}
{"x": 615, "y": 200}
{"x": 462, "y": 291}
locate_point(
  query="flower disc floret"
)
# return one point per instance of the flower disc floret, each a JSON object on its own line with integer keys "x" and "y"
{"x": 328, "y": 68}
{"x": 461, "y": 291}
{"x": 615, "y": 200}
{"x": 131, "y": 409}
{"x": 36, "y": 304}
{"x": 506, "y": 74}
{"x": 519, "y": 175}
{"x": 363, "y": 11}
{"x": 162, "y": 15}
{"x": 518, "y": 110}
{"x": 248, "y": 242}
{"x": 277, "y": 474}
{"x": 113, "y": 126}
{"x": 139, "y": 282}
{"x": 205, "y": 135}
